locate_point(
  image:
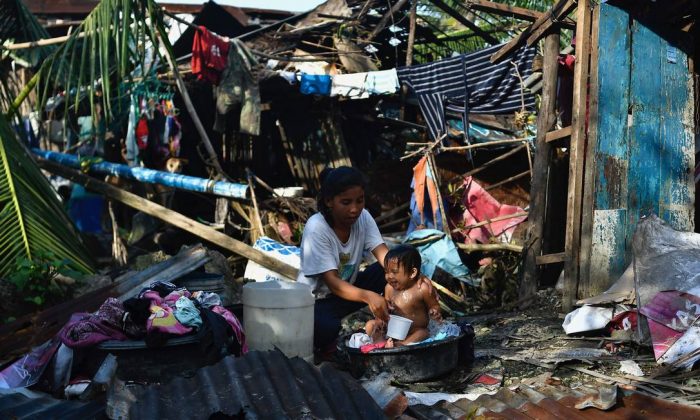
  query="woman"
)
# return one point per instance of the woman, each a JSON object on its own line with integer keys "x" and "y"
{"x": 332, "y": 248}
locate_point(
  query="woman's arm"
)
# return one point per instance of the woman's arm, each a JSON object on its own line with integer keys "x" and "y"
{"x": 347, "y": 291}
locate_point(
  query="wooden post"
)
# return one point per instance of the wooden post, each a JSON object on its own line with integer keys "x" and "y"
{"x": 258, "y": 229}
{"x": 576, "y": 155}
{"x": 173, "y": 218}
{"x": 589, "y": 183}
{"x": 411, "y": 33}
{"x": 538, "y": 186}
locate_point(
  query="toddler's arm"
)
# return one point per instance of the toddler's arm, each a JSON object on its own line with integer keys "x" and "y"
{"x": 431, "y": 302}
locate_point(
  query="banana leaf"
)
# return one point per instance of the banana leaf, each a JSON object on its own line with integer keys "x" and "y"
{"x": 32, "y": 219}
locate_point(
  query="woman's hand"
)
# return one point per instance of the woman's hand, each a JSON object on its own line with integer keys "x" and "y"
{"x": 377, "y": 305}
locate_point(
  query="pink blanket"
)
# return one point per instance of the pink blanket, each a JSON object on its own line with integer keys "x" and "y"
{"x": 481, "y": 206}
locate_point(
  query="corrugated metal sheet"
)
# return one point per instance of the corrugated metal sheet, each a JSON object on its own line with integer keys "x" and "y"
{"x": 258, "y": 385}
{"x": 19, "y": 406}
{"x": 555, "y": 402}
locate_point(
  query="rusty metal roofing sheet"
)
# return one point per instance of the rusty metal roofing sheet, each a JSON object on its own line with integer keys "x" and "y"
{"x": 555, "y": 402}
{"x": 19, "y": 406}
{"x": 258, "y": 385}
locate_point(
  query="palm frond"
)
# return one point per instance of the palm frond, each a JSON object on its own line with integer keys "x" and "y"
{"x": 116, "y": 43}
{"x": 31, "y": 216}
{"x": 18, "y": 24}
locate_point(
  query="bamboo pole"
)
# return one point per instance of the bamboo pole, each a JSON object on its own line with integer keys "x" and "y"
{"x": 173, "y": 218}
{"x": 490, "y": 247}
{"x": 447, "y": 291}
{"x": 494, "y": 160}
{"x": 489, "y": 221}
{"x": 40, "y": 42}
{"x": 479, "y": 145}
{"x": 507, "y": 180}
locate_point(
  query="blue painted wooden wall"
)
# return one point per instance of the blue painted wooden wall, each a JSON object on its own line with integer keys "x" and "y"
{"x": 644, "y": 147}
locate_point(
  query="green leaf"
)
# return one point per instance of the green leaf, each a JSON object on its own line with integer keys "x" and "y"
{"x": 33, "y": 223}
{"x": 37, "y": 300}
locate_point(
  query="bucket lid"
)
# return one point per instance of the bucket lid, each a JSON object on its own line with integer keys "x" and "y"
{"x": 277, "y": 294}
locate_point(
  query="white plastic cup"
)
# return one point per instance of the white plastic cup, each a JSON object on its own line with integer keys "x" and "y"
{"x": 398, "y": 327}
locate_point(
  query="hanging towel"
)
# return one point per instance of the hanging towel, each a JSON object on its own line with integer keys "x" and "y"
{"x": 384, "y": 82}
{"x": 469, "y": 83}
{"x": 315, "y": 84}
{"x": 350, "y": 85}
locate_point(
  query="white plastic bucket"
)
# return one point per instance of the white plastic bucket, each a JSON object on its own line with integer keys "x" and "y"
{"x": 398, "y": 327}
{"x": 279, "y": 314}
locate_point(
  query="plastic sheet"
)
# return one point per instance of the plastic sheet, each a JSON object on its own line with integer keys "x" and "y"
{"x": 666, "y": 259}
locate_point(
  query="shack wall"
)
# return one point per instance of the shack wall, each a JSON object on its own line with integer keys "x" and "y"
{"x": 643, "y": 153}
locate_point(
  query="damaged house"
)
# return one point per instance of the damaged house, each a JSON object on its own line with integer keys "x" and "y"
{"x": 160, "y": 163}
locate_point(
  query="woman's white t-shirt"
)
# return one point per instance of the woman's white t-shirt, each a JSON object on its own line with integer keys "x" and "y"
{"x": 322, "y": 251}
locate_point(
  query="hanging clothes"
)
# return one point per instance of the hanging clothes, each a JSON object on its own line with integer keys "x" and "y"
{"x": 469, "y": 83}
{"x": 131, "y": 144}
{"x": 209, "y": 55}
{"x": 383, "y": 82}
{"x": 350, "y": 85}
{"x": 239, "y": 86}
{"x": 423, "y": 179}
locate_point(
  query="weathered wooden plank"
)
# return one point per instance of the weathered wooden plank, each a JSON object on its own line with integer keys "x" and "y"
{"x": 608, "y": 244}
{"x": 676, "y": 132}
{"x": 557, "y": 134}
{"x": 538, "y": 183}
{"x": 504, "y": 9}
{"x": 645, "y": 143}
{"x": 551, "y": 258}
{"x": 576, "y": 154}
{"x": 607, "y": 167}
{"x": 587, "y": 205}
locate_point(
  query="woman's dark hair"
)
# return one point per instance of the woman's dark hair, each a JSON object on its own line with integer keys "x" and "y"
{"x": 406, "y": 256}
{"x": 334, "y": 182}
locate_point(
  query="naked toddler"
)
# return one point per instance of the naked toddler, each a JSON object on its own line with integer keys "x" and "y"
{"x": 408, "y": 294}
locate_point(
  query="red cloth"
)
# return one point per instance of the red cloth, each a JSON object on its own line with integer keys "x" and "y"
{"x": 209, "y": 55}
{"x": 369, "y": 347}
{"x": 481, "y": 206}
{"x": 142, "y": 133}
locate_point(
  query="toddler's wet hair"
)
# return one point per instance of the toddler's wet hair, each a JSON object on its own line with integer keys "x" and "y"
{"x": 406, "y": 256}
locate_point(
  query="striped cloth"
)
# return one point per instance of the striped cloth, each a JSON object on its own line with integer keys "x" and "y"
{"x": 469, "y": 83}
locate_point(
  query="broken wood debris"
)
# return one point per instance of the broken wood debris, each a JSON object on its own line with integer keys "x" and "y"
{"x": 173, "y": 218}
